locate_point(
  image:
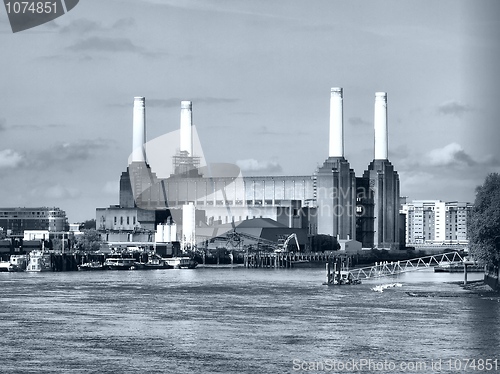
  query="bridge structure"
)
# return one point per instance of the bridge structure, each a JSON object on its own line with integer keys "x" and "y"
{"x": 384, "y": 269}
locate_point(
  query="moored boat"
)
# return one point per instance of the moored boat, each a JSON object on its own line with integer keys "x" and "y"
{"x": 121, "y": 263}
{"x": 40, "y": 260}
{"x": 181, "y": 262}
{"x": 6, "y": 266}
{"x": 91, "y": 266}
{"x": 20, "y": 261}
{"x": 155, "y": 263}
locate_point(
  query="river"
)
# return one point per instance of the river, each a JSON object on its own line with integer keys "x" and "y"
{"x": 237, "y": 320}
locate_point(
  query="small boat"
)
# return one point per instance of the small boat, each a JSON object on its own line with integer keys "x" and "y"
{"x": 91, "y": 266}
{"x": 6, "y": 266}
{"x": 181, "y": 262}
{"x": 121, "y": 263}
{"x": 40, "y": 260}
{"x": 458, "y": 268}
{"x": 20, "y": 261}
{"x": 153, "y": 263}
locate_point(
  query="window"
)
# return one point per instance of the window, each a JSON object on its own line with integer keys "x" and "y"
{"x": 128, "y": 220}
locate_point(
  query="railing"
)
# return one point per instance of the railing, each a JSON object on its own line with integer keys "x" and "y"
{"x": 384, "y": 269}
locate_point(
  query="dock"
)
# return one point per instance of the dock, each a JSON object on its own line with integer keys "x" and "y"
{"x": 286, "y": 260}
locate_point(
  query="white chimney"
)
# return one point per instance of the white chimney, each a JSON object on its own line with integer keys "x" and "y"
{"x": 380, "y": 123}
{"x": 336, "y": 123}
{"x": 139, "y": 130}
{"x": 186, "y": 130}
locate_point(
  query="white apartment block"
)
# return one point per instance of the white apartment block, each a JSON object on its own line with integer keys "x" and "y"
{"x": 436, "y": 222}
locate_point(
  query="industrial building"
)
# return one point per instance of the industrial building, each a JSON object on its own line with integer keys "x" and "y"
{"x": 434, "y": 222}
{"x": 197, "y": 196}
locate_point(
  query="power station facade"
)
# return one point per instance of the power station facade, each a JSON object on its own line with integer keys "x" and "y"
{"x": 197, "y": 199}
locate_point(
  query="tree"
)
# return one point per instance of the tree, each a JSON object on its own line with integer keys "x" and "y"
{"x": 484, "y": 224}
{"x": 89, "y": 241}
{"x": 322, "y": 243}
{"x": 88, "y": 225}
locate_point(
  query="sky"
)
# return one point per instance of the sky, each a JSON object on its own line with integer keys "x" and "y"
{"x": 259, "y": 75}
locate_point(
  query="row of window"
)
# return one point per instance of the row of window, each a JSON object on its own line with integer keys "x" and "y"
{"x": 121, "y": 220}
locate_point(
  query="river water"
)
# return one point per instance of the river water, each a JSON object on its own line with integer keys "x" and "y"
{"x": 236, "y": 320}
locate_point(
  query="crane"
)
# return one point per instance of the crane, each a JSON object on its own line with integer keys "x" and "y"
{"x": 284, "y": 248}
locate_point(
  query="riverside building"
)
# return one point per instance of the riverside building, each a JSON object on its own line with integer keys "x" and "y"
{"x": 434, "y": 222}
{"x": 18, "y": 220}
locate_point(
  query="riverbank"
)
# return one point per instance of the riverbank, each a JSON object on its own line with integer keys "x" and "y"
{"x": 477, "y": 286}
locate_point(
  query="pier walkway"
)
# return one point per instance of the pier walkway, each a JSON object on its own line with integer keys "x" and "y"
{"x": 384, "y": 269}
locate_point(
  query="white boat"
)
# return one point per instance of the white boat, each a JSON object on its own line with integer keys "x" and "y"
{"x": 120, "y": 263}
{"x": 40, "y": 260}
{"x": 91, "y": 266}
{"x": 181, "y": 262}
{"x": 6, "y": 266}
{"x": 21, "y": 261}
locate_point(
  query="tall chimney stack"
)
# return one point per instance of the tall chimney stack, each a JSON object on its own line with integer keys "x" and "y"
{"x": 336, "y": 123}
{"x": 380, "y": 123}
{"x": 139, "y": 130}
{"x": 186, "y": 130}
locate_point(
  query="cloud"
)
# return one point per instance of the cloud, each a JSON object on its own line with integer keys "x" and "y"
{"x": 264, "y": 130}
{"x": 55, "y": 191}
{"x": 176, "y": 102}
{"x": 105, "y": 44}
{"x": 37, "y": 127}
{"x": 60, "y": 192}
{"x": 84, "y": 26}
{"x": 124, "y": 23}
{"x": 111, "y": 187}
{"x": 10, "y": 159}
{"x": 453, "y": 108}
{"x": 81, "y": 26}
{"x": 252, "y": 165}
{"x": 358, "y": 121}
{"x": 450, "y": 155}
{"x": 68, "y": 152}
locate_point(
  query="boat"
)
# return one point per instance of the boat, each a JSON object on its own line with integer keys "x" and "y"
{"x": 6, "y": 266}
{"x": 121, "y": 263}
{"x": 91, "y": 266}
{"x": 40, "y": 260}
{"x": 155, "y": 263}
{"x": 458, "y": 268}
{"x": 20, "y": 261}
{"x": 181, "y": 262}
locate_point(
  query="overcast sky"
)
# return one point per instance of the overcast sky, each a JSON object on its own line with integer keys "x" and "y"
{"x": 259, "y": 74}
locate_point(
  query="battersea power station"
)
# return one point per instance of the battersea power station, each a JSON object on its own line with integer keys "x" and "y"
{"x": 169, "y": 193}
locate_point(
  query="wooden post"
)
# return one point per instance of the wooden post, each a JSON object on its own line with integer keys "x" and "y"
{"x": 465, "y": 273}
{"x": 327, "y": 272}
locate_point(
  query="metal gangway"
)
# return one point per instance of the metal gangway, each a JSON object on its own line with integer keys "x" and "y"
{"x": 384, "y": 269}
